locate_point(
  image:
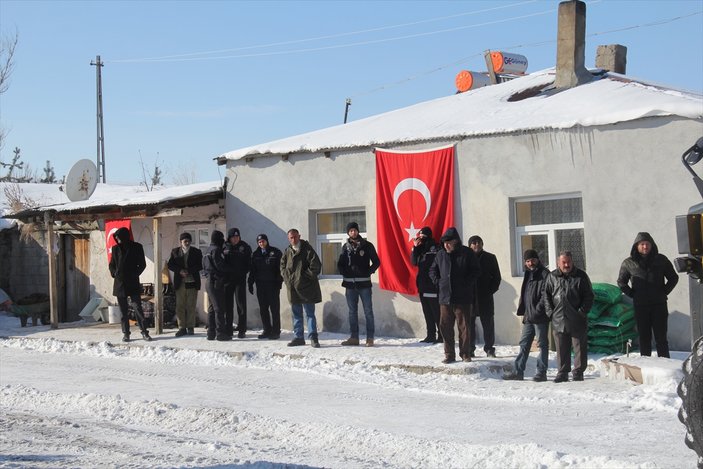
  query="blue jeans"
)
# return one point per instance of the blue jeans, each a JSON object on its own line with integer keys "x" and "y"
{"x": 528, "y": 334}
{"x": 298, "y": 320}
{"x": 353, "y": 295}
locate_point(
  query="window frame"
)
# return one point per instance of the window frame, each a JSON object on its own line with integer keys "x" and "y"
{"x": 333, "y": 238}
{"x": 548, "y": 229}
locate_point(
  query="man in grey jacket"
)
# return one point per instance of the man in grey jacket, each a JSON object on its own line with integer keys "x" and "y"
{"x": 568, "y": 297}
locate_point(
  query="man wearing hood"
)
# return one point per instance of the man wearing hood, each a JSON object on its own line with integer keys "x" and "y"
{"x": 455, "y": 271}
{"x": 186, "y": 262}
{"x": 216, "y": 270}
{"x": 423, "y": 253}
{"x": 126, "y": 265}
{"x": 648, "y": 277}
{"x": 357, "y": 262}
{"x": 238, "y": 256}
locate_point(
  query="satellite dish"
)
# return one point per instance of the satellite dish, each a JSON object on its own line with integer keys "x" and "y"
{"x": 81, "y": 180}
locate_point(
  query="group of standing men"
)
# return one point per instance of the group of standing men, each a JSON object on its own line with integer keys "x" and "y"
{"x": 226, "y": 264}
{"x": 456, "y": 284}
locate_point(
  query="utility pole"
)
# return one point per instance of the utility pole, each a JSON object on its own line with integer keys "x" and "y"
{"x": 346, "y": 109}
{"x": 101, "y": 130}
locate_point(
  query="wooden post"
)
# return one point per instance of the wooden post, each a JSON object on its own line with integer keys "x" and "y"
{"x": 53, "y": 293}
{"x": 158, "y": 284}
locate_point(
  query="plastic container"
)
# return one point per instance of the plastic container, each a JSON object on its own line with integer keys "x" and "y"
{"x": 114, "y": 314}
{"x": 466, "y": 80}
{"x": 512, "y": 64}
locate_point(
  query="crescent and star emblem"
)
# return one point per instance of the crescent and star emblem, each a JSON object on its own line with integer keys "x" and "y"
{"x": 412, "y": 184}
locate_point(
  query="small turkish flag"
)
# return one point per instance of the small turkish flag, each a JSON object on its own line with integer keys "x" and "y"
{"x": 110, "y": 227}
{"x": 413, "y": 190}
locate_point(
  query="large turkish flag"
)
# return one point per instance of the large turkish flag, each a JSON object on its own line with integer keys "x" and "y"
{"x": 110, "y": 227}
{"x": 413, "y": 189}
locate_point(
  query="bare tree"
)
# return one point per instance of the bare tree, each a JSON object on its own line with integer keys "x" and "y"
{"x": 183, "y": 175}
{"x": 150, "y": 178}
{"x": 7, "y": 54}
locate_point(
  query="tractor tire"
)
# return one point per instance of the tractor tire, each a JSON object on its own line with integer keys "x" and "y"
{"x": 690, "y": 391}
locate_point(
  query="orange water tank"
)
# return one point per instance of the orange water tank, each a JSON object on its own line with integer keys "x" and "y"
{"x": 466, "y": 80}
{"x": 514, "y": 64}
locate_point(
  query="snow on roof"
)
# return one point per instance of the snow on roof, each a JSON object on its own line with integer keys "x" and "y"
{"x": 608, "y": 99}
{"x": 49, "y": 196}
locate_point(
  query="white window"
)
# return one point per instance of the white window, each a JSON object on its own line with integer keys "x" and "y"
{"x": 330, "y": 227}
{"x": 549, "y": 225}
{"x": 199, "y": 233}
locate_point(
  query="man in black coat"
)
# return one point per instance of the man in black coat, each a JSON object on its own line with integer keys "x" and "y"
{"x": 486, "y": 286}
{"x": 186, "y": 262}
{"x": 568, "y": 297}
{"x": 357, "y": 262}
{"x": 216, "y": 272}
{"x": 266, "y": 274}
{"x": 534, "y": 318}
{"x": 455, "y": 271}
{"x": 423, "y": 253}
{"x": 652, "y": 278}
{"x": 127, "y": 262}
{"x": 238, "y": 256}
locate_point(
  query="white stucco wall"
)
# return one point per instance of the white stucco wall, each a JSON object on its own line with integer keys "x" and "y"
{"x": 629, "y": 175}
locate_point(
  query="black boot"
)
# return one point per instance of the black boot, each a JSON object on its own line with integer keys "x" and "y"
{"x": 146, "y": 336}
{"x": 190, "y": 330}
{"x": 181, "y": 332}
{"x": 125, "y": 337}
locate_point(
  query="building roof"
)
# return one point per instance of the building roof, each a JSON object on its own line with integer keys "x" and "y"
{"x": 527, "y": 103}
{"x": 113, "y": 200}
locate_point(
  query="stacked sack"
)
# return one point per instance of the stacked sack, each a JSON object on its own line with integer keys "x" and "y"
{"x": 611, "y": 323}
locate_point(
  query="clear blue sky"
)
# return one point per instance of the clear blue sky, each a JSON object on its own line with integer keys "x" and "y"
{"x": 276, "y": 69}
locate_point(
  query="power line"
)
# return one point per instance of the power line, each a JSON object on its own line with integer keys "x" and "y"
{"x": 167, "y": 58}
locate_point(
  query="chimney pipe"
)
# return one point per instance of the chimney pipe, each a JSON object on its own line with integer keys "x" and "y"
{"x": 612, "y": 58}
{"x": 571, "y": 45}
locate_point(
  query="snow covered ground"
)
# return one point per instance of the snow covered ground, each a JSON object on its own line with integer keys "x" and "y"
{"x": 78, "y": 397}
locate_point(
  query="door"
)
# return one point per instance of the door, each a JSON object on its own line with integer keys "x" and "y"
{"x": 76, "y": 275}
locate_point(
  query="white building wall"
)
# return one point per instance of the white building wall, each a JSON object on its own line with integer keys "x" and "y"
{"x": 629, "y": 175}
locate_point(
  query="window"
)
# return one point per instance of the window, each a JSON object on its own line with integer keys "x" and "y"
{"x": 331, "y": 235}
{"x": 199, "y": 233}
{"x": 549, "y": 225}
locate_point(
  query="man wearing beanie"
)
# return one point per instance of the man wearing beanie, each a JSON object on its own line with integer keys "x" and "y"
{"x": 488, "y": 283}
{"x": 266, "y": 274}
{"x": 423, "y": 253}
{"x": 534, "y": 319}
{"x": 357, "y": 262}
{"x": 238, "y": 256}
{"x": 455, "y": 271}
{"x": 185, "y": 263}
{"x": 216, "y": 270}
